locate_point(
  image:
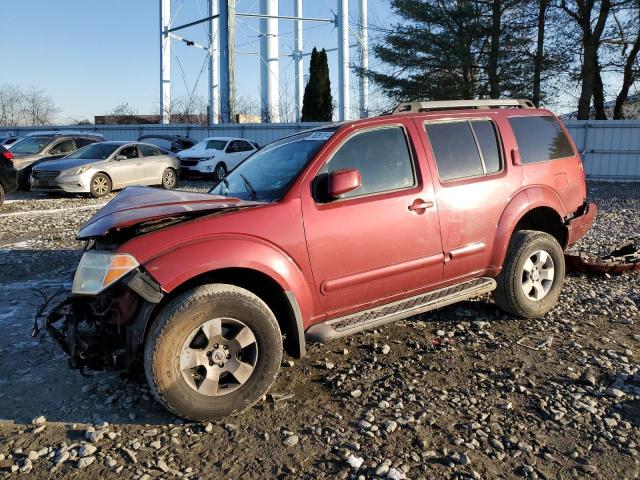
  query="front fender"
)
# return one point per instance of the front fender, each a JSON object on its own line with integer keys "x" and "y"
{"x": 522, "y": 202}
{"x": 174, "y": 267}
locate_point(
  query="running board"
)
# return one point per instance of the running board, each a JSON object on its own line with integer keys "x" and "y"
{"x": 356, "y": 322}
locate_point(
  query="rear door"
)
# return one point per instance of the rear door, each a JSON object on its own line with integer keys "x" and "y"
{"x": 153, "y": 164}
{"x": 127, "y": 171}
{"x": 370, "y": 246}
{"x": 473, "y": 185}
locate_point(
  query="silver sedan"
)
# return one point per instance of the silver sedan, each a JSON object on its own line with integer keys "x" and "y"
{"x": 102, "y": 167}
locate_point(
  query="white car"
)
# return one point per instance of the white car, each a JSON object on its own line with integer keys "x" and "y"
{"x": 215, "y": 156}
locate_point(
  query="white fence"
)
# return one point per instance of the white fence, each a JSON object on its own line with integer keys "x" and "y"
{"x": 610, "y": 148}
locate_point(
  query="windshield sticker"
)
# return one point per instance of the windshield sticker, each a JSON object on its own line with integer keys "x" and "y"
{"x": 319, "y": 136}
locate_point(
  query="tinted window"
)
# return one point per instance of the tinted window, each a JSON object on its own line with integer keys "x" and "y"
{"x": 81, "y": 142}
{"x": 160, "y": 142}
{"x": 31, "y": 144}
{"x": 149, "y": 151}
{"x": 244, "y": 146}
{"x": 65, "y": 146}
{"x": 488, "y": 143}
{"x": 540, "y": 139}
{"x": 382, "y": 156}
{"x": 455, "y": 150}
{"x": 129, "y": 152}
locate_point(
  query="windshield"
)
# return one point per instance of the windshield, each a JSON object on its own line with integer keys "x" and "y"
{"x": 31, "y": 145}
{"x": 95, "y": 151}
{"x": 266, "y": 175}
{"x": 212, "y": 144}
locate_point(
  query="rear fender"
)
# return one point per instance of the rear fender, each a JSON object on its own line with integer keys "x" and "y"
{"x": 522, "y": 202}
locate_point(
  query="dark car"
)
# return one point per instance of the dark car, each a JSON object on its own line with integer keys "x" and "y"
{"x": 173, "y": 143}
{"x": 6, "y": 142}
{"x": 39, "y": 147}
{"x": 8, "y": 174}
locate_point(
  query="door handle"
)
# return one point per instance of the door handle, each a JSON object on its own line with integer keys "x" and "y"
{"x": 419, "y": 205}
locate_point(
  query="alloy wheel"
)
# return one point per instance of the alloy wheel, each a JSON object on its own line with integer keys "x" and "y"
{"x": 100, "y": 185}
{"x": 537, "y": 275}
{"x": 219, "y": 356}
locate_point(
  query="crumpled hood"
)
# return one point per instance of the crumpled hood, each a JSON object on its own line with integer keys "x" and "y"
{"x": 137, "y": 205}
{"x": 198, "y": 153}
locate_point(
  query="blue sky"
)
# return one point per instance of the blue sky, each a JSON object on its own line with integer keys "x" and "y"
{"x": 91, "y": 55}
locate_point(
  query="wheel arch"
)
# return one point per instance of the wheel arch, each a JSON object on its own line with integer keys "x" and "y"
{"x": 283, "y": 303}
{"x": 534, "y": 208}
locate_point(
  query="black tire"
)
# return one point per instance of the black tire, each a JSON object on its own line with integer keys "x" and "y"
{"x": 2, "y": 195}
{"x": 24, "y": 178}
{"x": 169, "y": 179}
{"x": 175, "y": 325}
{"x": 509, "y": 294}
{"x": 100, "y": 185}
{"x": 220, "y": 172}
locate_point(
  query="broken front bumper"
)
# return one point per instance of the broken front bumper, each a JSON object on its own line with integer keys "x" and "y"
{"x": 578, "y": 225}
{"x": 105, "y": 331}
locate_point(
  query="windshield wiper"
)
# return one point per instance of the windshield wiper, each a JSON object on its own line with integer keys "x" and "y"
{"x": 253, "y": 195}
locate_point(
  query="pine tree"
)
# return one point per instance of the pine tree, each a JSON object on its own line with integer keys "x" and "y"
{"x": 317, "y": 104}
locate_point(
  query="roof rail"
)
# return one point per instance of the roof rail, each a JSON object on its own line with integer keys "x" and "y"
{"x": 415, "y": 107}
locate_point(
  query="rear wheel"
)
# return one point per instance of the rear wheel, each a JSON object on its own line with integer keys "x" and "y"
{"x": 212, "y": 351}
{"x": 100, "y": 185}
{"x": 169, "y": 179}
{"x": 220, "y": 172}
{"x": 532, "y": 274}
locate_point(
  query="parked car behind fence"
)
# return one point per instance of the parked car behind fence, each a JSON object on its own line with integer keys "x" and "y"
{"x": 102, "y": 167}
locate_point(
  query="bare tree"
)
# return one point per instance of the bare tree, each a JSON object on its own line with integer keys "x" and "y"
{"x": 10, "y": 105}
{"x": 124, "y": 114}
{"x": 38, "y": 108}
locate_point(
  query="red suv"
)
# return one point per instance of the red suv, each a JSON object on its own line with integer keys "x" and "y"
{"x": 320, "y": 235}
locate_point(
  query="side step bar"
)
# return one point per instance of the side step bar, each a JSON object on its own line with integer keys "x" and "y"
{"x": 356, "y": 322}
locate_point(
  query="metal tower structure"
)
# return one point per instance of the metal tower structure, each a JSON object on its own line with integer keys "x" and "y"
{"x": 221, "y": 22}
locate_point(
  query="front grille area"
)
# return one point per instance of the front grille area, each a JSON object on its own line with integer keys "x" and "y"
{"x": 45, "y": 174}
{"x": 189, "y": 162}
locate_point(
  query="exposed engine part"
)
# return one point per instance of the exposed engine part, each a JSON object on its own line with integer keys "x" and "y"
{"x": 625, "y": 258}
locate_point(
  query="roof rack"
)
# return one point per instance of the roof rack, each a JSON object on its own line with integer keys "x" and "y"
{"x": 415, "y": 107}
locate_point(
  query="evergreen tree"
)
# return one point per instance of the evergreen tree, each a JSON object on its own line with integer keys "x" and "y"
{"x": 317, "y": 104}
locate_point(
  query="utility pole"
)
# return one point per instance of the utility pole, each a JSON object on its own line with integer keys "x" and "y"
{"x": 363, "y": 18}
{"x": 269, "y": 61}
{"x": 298, "y": 59}
{"x": 214, "y": 65}
{"x": 227, "y": 59}
{"x": 165, "y": 61}
{"x": 343, "y": 60}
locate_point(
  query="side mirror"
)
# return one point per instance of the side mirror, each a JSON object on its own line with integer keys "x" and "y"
{"x": 515, "y": 157}
{"x": 120, "y": 157}
{"x": 343, "y": 181}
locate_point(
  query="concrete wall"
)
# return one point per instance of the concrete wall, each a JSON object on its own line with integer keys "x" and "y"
{"x": 610, "y": 148}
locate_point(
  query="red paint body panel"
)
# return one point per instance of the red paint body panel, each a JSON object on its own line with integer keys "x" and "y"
{"x": 350, "y": 254}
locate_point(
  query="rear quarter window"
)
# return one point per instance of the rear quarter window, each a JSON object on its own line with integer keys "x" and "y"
{"x": 540, "y": 139}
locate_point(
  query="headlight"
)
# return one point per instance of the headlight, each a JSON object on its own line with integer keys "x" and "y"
{"x": 76, "y": 171}
{"x": 98, "y": 270}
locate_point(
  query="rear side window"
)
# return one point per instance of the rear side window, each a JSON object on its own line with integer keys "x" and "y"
{"x": 540, "y": 139}
{"x": 81, "y": 142}
{"x": 465, "y": 149}
{"x": 149, "y": 151}
{"x": 382, "y": 156}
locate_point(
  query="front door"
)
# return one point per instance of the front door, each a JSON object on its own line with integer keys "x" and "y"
{"x": 381, "y": 241}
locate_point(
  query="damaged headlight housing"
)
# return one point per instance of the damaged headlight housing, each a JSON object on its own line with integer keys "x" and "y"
{"x": 98, "y": 270}
{"x": 76, "y": 171}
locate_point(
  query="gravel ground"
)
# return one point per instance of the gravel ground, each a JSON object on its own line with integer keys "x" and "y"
{"x": 465, "y": 392}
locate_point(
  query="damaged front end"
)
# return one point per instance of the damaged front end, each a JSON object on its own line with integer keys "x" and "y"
{"x": 105, "y": 331}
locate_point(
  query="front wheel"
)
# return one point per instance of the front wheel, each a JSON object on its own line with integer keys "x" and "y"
{"x": 212, "y": 351}
{"x": 220, "y": 172}
{"x": 100, "y": 185}
{"x": 169, "y": 179}
{"x": 532, "y": 274}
